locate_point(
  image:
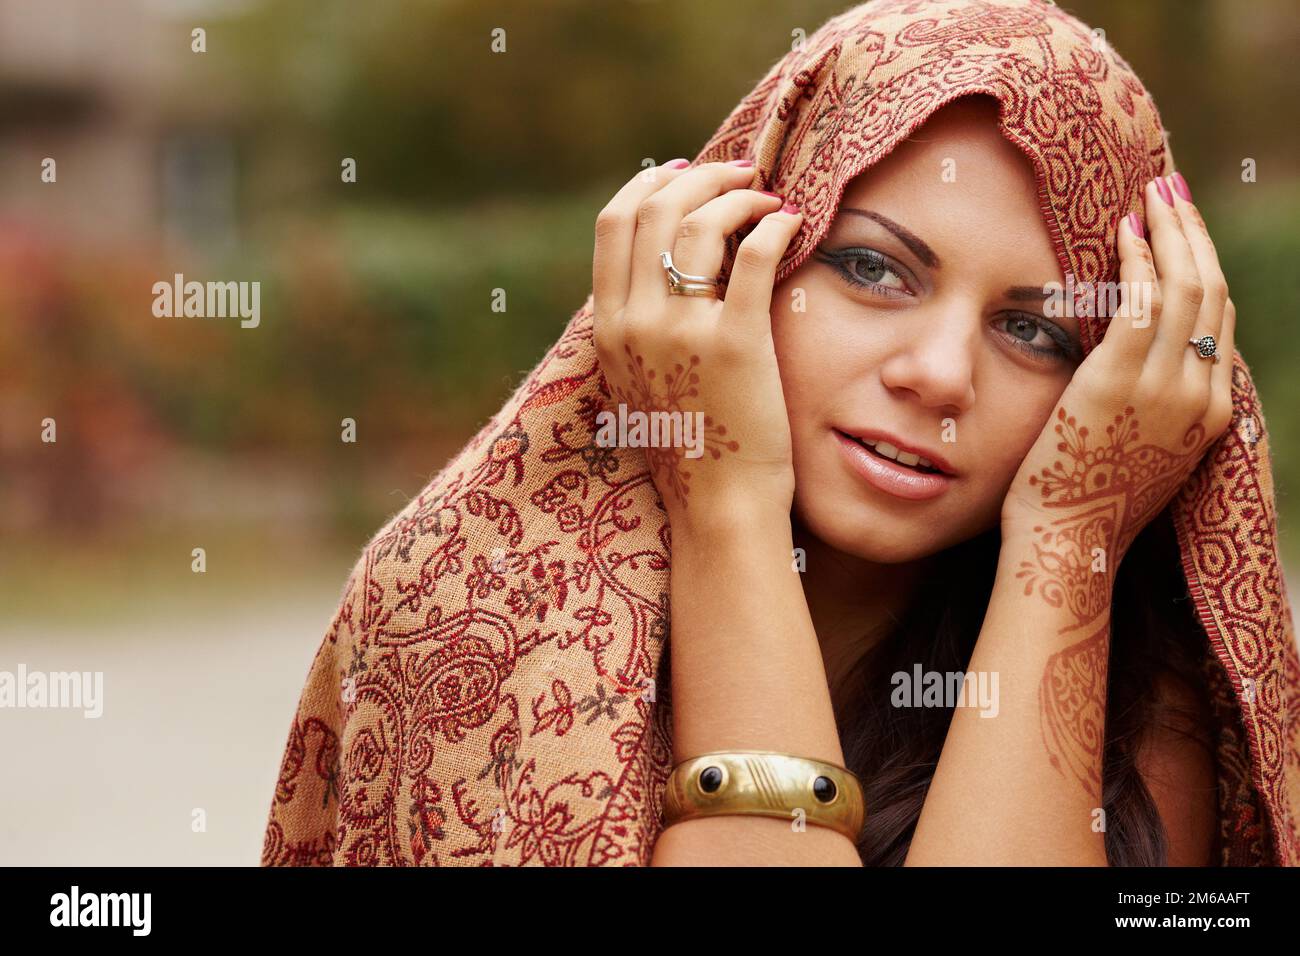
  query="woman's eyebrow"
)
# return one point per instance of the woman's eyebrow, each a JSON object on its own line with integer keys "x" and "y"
{"x": 1016, "y": 293}
{"x": 1038, "y": 295}
{"x": 918, "y": 247}
{"x": 1027, "y": 293}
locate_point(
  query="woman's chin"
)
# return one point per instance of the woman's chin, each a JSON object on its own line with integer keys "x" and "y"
{"x": 881, "y": 535}
{"x": 860, "y": 533}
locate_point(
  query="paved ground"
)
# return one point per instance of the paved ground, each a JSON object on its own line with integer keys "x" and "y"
{"x": 197, "y": 707}
{"x": 196, "y": 713}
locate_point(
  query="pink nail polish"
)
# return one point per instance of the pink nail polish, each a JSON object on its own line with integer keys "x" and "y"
{"x": 1162, "y": 188}
{"x": 1136, "y": 225}
{"x": 790, "y": 208}
{"x": 677, "y": 164}
{"x": 741, "y": 162}
{"x": 1180, "y": 186}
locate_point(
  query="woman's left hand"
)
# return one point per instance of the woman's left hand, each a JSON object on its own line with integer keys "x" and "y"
{"x": 1143, "y": 407}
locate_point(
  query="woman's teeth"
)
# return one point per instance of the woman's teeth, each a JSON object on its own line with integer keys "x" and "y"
{"x": 886, "y": 450}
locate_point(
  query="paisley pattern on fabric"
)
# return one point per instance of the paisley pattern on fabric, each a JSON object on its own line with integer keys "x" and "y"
{"x": 493, "y": 688}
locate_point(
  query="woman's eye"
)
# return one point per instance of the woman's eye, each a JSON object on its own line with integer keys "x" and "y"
{"x": 1028, "y": 330}
{"x": 867, "y": 268}
{"x": 1035, "y": 336}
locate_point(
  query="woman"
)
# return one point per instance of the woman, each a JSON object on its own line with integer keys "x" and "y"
{"x": 1066, "y": 498}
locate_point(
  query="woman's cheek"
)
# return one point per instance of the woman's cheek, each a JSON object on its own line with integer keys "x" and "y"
{"x": 1016, "y": 442}
{"x": 807, "y": 346}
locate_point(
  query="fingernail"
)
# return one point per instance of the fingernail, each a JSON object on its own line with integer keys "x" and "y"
{"x": 1162, "y": 188}
{"x": 790, "y": 208}
{"x": 741, "y": 162}
{"x": 1180, "y": 186}
{"x": 677, "y": 164}
{"x": 766, "y": 193}
{"x": 1136, "y": 225}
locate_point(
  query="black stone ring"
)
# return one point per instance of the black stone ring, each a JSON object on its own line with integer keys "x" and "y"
{"x": 1205, "y": 347}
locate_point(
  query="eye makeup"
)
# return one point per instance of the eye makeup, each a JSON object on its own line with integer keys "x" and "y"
{"x": 1065, "y": 348}
{"x": 876, "y": 266}
{"x": 869, "y": 270}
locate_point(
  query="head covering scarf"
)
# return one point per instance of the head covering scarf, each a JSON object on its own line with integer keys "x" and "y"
{"x": 492, "y": 688}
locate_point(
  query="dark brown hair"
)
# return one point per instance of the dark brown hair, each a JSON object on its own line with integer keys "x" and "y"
{"x": 1154, "y": 633}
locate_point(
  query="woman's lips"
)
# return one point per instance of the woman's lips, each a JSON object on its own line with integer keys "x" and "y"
{"x": 889, "y": 476}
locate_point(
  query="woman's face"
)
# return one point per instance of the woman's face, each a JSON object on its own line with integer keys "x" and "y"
{"x": 922, "y": 316}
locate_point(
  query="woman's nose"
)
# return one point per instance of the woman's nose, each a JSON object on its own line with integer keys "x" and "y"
{"x": 934, "y": 359}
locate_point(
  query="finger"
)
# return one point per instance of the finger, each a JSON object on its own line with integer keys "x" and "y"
{"x": 1180, "y": 283}
{"x": 1132, "y": 330}
{"x": 1209, "y": 320}
{"x": 660, "y": 214}
{"x": 1221, "y": 374}
{"x": 748, "y": 305}
{"x": 701, "y": 235}
{"x": 611, "y": 268}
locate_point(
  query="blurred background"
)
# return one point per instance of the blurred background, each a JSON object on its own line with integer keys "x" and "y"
{"x": 475, "y": 170}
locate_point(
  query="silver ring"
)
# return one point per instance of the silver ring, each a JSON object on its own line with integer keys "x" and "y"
{"x": 680, "y": 283}
{"x": 1205, "y": 347}
{"x": 687, "y": 288}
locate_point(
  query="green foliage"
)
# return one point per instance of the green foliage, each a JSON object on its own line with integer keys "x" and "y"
{"x": 480, "y": 171}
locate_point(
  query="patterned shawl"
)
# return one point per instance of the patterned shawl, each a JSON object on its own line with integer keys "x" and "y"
{"x": 490, "y": 692}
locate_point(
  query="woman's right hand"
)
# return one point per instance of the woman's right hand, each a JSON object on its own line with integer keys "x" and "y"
{"x": 710, "y": 361}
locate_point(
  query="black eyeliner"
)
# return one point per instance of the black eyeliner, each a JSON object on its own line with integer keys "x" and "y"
{"x": 877, "y": 258}
{"x": 1067, "y": 348}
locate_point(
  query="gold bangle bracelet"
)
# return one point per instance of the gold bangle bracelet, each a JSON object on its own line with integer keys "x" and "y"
{"x": 765, "y": 783}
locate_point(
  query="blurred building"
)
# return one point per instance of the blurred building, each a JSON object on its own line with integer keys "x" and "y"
{"x": 107, "y": 90}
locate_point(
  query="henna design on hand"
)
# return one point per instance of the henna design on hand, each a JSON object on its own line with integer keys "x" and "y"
{"x": 1064, "y": 565}
{"x": 1107, "y": 494}
{"x": 1141, "y": 477}
{"x": 1072, "y": 709}
{"x": 667, "y": 463}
